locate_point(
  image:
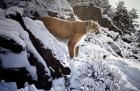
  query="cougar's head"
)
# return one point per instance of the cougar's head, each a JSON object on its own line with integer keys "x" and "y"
{"x": 93, "y": 26}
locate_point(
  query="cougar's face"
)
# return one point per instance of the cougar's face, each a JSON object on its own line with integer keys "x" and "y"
{"x": 95, "y": 27}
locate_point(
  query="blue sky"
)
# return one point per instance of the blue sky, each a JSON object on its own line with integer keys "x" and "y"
{"x": 129, "y": 4}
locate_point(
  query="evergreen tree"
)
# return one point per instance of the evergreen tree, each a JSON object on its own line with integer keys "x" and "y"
{"x": 133, "y": 15}
{"x": 104, "y": 5}
{"x": 125, "y": 19}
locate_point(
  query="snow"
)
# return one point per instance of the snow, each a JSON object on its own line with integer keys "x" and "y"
{"x": 11, "y": 86}
{"x": 6, "y": 32}
{"x": 29, "y": 88}
{"x": 14, "y": 60}
{"x": 13, "y": 10}
{"x": 106, "y": 16}
{"x": 42, "y": 7}
{"x": 81, "y": 76}
{"x": 129, "y": 69}
{"x": 48, "y": 40}
{"x": 79, "y": 3}
{"x": 127, "y": 81}
{"x": 61, "y": 7}
{"x": 2, "y": 13}
{"x": 22, "y": 38}
{"x": 14, "y": 35}
{"x": 58, "y": 85}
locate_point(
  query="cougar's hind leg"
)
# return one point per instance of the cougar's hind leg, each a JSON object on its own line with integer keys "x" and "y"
{"x": 76, "y": 51}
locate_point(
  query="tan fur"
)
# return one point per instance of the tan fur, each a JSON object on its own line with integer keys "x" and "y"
{"x": 73, "y": 31}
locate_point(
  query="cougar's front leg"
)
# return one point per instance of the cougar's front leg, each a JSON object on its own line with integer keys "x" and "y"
{"x": 71, "y": 47}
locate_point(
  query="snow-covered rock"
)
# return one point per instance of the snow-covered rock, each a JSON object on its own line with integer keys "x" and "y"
{"x": 52, "y": 51}
{"x": 16, "y": 59}
{"x": 35, "y": 8}
{"x": 2, "y": 12}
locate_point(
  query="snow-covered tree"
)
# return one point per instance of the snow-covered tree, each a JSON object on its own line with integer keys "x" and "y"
{"x": 125, "y": 19}
{"x": 133, "y": 15}
{"x": 106, "y": 7}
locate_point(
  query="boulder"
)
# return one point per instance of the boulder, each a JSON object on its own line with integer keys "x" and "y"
{"x": 88, "y": 11}
{"x": 16, "y": 59}
{"x": 58, "y": 66}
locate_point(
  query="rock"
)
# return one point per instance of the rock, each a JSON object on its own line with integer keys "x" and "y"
{"x": 44, "y": 81}
{"x": 15, "y": 62}
{"x": 3, "y": 4}
{"x": 35, "y": 8}
{"x": 127, "y": 40}
{"x": 18, "y": 75}
{"x": 10, "y": 44}
{"x": 89, "y": 11}
{"x": 56, "y": 67}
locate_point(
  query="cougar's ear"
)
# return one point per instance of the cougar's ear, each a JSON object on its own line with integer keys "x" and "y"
{"x": 89, "y": 22}
{"x": 96, "y": 20}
